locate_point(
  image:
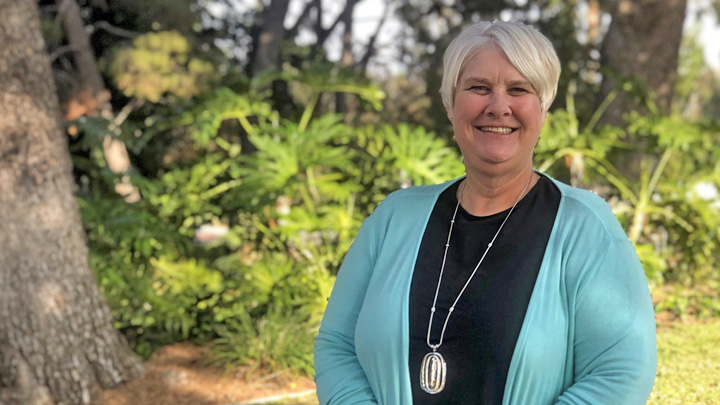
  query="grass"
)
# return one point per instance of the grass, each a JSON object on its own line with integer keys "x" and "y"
{"x": 688, "y": 364}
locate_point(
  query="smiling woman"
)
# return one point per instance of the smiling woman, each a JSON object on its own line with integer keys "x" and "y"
{"x": 496, "y": 115}
{"x": 501, "y": 287}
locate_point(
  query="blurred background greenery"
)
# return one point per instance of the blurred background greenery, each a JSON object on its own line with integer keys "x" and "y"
{"x": 254, "y": 138}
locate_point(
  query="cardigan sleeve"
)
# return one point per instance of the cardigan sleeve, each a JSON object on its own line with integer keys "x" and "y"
{"x": 615, "y": 352}
{"x": 339, "y": 377}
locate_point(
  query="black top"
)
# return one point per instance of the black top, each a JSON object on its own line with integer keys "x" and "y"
{"x": 483, "y": 329}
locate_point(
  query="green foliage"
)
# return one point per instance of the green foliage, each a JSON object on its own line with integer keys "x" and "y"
{"x": 123, "y": 241}
{"x": 654, "y": 264}
{"x": 182, "y": 291}
{"x": 225, "y": 104}
{"x": 684, "y": 229}
{"x": 302, "y": 163}
{"x": 158, "y": 64}
{"x": 328, "y": 78}
{"x": 404, "y": 156}
{"x": 291, "y": 208}
{"x": 276, "y": 281}
{"x": 187, "y": 196}
{"x": 274, "y": 342}
{"x": 698, "y": 302}
{"x": 563, "y": 137}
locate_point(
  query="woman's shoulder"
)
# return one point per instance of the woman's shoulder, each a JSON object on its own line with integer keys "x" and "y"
{"x": 580, "y": 197}
{"x": 415, "y": 195}
{"x": 584, "y": 208}
{"x": 424, "y": 191}
{"x": 587, "y": 235}
{"x": 404, "y": 208}
{"x": 408, "y": 204}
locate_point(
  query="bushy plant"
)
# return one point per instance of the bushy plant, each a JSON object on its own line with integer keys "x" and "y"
{"x": 124, "y": 239}
{"x": 290, "y": 207}
{"x": 157, "y": 64}
{"x": 275, "y": 342}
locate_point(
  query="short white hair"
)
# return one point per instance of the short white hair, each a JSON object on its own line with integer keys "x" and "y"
{"x": 528, "y": 50}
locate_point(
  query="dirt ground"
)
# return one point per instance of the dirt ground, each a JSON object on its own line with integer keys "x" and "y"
{"x": 177, "y": 375}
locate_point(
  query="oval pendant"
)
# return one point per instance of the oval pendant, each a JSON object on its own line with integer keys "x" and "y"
{"x": 432, "y": 373}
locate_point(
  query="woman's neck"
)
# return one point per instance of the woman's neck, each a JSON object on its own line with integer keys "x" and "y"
{"x": 485, "y": 194}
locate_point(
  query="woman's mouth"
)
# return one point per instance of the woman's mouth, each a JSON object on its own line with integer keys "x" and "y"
{"x": 497, "y": 130}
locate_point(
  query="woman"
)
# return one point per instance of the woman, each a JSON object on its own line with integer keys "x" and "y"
{"x": 502, "y": 287}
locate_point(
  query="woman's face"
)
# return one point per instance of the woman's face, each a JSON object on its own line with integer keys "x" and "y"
{"x": 497, "y": 116}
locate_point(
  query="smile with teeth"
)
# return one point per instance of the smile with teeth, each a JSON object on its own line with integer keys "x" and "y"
{"x": 500, "y": 130}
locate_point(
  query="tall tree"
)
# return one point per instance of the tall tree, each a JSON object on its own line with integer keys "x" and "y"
{"x": 57, "y": 343}
{"x": 642, "y": 43}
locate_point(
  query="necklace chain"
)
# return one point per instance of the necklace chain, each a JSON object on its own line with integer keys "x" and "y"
{"x": 442, "y": 267}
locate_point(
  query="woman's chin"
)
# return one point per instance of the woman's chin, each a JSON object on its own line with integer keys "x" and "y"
{"x": 494, "y": 158}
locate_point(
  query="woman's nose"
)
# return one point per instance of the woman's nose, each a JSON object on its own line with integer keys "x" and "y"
{"x": 498, "y": 105}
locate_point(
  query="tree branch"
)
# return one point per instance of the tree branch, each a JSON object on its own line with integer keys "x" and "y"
{"x": 62, "y": 50}
{"x": 322, "y": 33}
{"x": 305, "y": 13}
{"x": 114, "y": 30}
{"x": 318, "y": 20}
{"x": 370, "y": 51}
{"x": 125, "y": 112}
{"x": 326, "y": 32}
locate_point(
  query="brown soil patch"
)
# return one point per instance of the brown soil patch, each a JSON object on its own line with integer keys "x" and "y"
{"x": 178, "y": 375}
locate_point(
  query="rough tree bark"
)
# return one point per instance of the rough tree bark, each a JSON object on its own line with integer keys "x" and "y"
{"x": 57, "y": 342}
{"x": 643, "y": 42}
{"x": 90, "y": 97}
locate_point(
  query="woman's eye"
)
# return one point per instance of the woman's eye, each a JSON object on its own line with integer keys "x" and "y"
{"x": 479, "y": 88}
{"x": 518, "y": 90}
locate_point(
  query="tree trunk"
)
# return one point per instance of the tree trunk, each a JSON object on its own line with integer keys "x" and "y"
{"x": 266, "y": 54}
{"x": 271, "y": 37}
{"x": 57, "y": 343}
{"x": 643, "y": 42}
{"x": 347, "y": 59}
{"x": 90, "y": 97}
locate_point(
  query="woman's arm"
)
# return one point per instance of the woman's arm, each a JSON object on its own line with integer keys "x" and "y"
{"x": 339, "y": 377}
{"x": 615, "y": 352}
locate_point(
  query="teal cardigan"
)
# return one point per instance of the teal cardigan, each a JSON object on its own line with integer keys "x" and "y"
{"x": 588, "y": 336}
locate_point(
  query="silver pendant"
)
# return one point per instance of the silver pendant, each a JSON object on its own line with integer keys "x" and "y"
{"x": 432, "y": 373}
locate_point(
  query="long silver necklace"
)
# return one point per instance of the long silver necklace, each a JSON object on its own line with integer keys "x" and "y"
{"x": 434, "y": 369}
